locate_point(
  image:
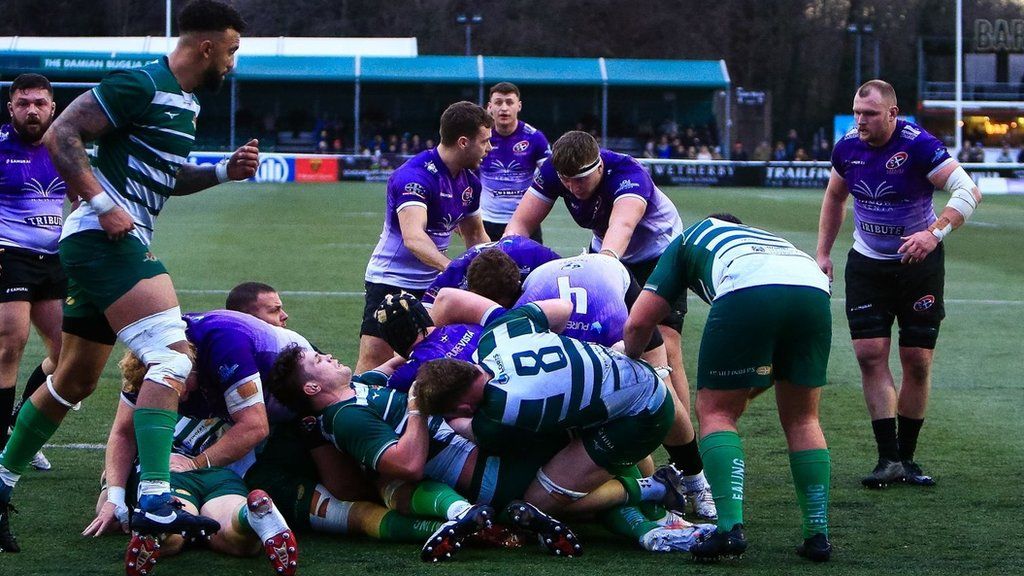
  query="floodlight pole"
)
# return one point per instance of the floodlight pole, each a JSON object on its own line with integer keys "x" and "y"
{"x": 167, "y": 25}
{"x": 468, "y": 21}
{"x": 958, "y": 105}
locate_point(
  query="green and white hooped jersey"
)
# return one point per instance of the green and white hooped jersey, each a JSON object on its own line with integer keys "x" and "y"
{"x": 137, "y": 163}
{"x": 714, "y": 257}
{"x": 544, "y": 382}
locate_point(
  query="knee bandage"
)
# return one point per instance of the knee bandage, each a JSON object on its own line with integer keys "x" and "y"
{"x": 60, "y": 399}
{"x": 558, "y": 491}
{"x": 149, "y": 339}
{"x": 327, "y": 513}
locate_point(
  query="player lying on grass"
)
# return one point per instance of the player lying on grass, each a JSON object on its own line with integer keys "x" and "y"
{"x": 245, "y": 521}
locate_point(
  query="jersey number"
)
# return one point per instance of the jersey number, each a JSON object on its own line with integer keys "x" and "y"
{"x": 578, "y": 296}
{"x": 547, "y": 359}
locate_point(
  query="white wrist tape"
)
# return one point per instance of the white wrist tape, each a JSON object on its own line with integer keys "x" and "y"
{"x": 221, "y": 169}
{"x": 101, "y": 203}
{"x": 940, "y": 233}
{"x": 115, "y": 495}
{"x": 960, "y": 186}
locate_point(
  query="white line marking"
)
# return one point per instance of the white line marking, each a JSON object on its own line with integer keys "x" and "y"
{"x": 77, "y": 446}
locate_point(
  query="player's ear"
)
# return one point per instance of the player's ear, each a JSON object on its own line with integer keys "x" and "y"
{"x": 463, "y": 142}
{"x": 311, "y": 388}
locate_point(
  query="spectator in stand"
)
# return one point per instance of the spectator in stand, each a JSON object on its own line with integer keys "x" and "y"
{"x": 823, "y": 151}
{"x": 964, "y": 155}
{"x": 763, "y": 152}
{"x": 664, "y": 147}
{"x": 704, "y": 153}
{"x": 669, "y": 128}
{"x": 977, "y": 153}
{"x": 1005, "y": 155}
{"x": 690, "y": 137}
{"x": 415, "y": 144}
{"x": 792, "y": 144}
{"x": 691, "y": 153}
{"x": 716, "y": 153}
{"x": 650, "y": 150}
{"x": 779, "y": 153}
{"x": 801, "y": 155}
{"x": 739, "y": 154}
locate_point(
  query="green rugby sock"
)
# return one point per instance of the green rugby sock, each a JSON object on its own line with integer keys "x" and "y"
{"x": 435, "y": 499}
{"x": 154, "y": 432}
{"x": 628, "y": 521}
{"x": 725, "y": 468}
{"x": 31, "y": 431}
{"x": 397, "y": 528}
{"x": 811, "y": 477}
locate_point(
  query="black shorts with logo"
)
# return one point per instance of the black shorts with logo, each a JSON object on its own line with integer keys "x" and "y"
{"x": 28, "y": 276}
{"x": 879, "y": 291}
{"x": 375, "y": 294}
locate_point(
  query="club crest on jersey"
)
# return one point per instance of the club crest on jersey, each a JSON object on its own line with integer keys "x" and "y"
{"x": 467, "y": 196}
{"x": 416, "y": 189}
{"x": 898, "y": 159}
{"x": 521, "y": 146}
{"x": 924, "y": 302}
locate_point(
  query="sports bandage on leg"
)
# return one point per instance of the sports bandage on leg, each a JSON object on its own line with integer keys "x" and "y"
{"x": 558, "y": 491}
{"x": 149, "y": 339}
{"x": 60, "y": 399}
{"x": 327, "y": 513}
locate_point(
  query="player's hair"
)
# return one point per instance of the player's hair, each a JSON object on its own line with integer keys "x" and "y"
{"x": 209, "y": 16}
{"x": 725, "y": 217}
{"x": 133, "y": 370}
{"x": 574, "y": 150}
{"x": 440, "y": 383}
{"x": 29, "y": 81}
{"x": 494, "y": 274}
{"x": 463, "y": 119}
{"x": 884, "y": 89}
{"x": 504, "y": 88}
{"x": 243, "y": 297}
{"x": 287, "y": 379}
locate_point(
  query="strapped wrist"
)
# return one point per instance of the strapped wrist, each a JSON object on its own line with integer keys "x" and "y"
{"x": 101, "y": 203}
{"x": 221, "y": 170}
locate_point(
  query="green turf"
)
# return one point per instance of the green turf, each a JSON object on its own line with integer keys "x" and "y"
{"x": 312, "y": 242}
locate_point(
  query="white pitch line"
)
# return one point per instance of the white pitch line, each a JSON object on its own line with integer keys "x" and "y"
{"x": 77, "y": 446}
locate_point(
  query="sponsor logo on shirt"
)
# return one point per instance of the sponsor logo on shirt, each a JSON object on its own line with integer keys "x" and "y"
{"x": 521, "y": 146}
{"x": 939, "y": 152}
{"x": 538, "y": 181}
{"x": 44, "y": 221}
{"x": 14, "y": 289}
{"x": 864, "y": 190}
{"x": 924, "y": 302}
{"x": 627, "y": 185}
{"x": 882, "y": 229}
{"x": 18, "y": 161}
{"x": 429, "y": 165}
{"x": 909, "y": 132}
{"x": 467, "y": 196}
{"x": 898, "y": 159}
{"x": 226, "y": 372}
{"x": 416, "y": 189}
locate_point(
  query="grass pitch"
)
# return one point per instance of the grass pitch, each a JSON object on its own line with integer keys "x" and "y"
{"x": 312, "y": 243}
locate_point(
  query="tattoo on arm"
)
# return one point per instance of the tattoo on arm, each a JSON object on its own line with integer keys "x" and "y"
{"x": 83, "y": 121}
{"x": 192, "y": 179}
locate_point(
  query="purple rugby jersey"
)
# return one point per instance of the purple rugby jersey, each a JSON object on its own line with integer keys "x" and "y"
{"x": 622, "y": 177}
{"x": 526, "y": 253}
{"x": 424, "y": 181}
{"x": 892, "y": 196}
{"x": 508, "y": 169}
{"x": 595, "y": 284}
{"x": 458, "y": 341}
{"x": 31, "y": 195}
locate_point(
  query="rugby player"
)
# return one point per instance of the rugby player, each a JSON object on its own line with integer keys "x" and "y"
{"x": 259, "y": 300}
{"x": 895, "y": 269}
{"x": 144, "y": 121}
{"x": 770, "y": 322}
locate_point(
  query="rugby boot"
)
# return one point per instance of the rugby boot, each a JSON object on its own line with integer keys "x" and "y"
{"x": 678, "y": 539}
{"x": 675, "y": 495}
{"x": 716, "y": 545}
{"x": 163, "y": 515}
{"x": 553, "y": 535}
{"x": 448, "y": 538}
{"x": 817, "y": 548}
{"x": 141, "y": 555}
{"x": 913, "y": 475}
{"x": 41, "y": 462}
{"x": 279, "y": 543}
{"x": 886, "y": 472}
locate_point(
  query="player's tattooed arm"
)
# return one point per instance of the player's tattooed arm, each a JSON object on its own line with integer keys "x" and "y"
{"x": 240, "y": 165}
{"x": 192, "y": 178}
{"x": 83, "y": 121}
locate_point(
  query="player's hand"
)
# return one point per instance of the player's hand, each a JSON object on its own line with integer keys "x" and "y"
{"x": 917, "y": 246}
{"x": 117, "y": 223}
{"x": 825, "y": 263}
{"x": 243, "y": 163}
{"x": 109, "y": 520}
{"x": 181, "y": 463}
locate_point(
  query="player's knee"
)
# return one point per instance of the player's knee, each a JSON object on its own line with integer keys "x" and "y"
{"x": 12, "y": 345}
{"x": 557, "y": 492}
{"x": 150, "y": 339}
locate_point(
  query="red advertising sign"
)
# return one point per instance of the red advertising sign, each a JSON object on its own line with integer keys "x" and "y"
{"x": 316, "y": 169}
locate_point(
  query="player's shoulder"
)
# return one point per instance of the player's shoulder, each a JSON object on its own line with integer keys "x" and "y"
{"x": 850, "y": 138}
{"x": 8, "y": 139}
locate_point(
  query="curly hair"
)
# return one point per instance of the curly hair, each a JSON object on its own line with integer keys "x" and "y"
{"x": 495, "y": 275}
{"x": 441, "y": 383}
{"x": 287, "y": 378}
{"x": 133, "y": 370}
{"x": 209, "y": 16}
